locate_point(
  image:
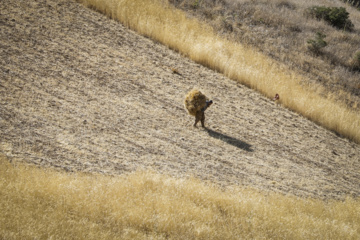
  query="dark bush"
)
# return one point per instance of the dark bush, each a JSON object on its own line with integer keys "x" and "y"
{"x": 337, "y": 17}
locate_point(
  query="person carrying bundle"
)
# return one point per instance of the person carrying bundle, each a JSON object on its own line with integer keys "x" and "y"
{"x": 196, "y": 103}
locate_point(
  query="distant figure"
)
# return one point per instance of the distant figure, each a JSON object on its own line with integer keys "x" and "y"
{"x": 277, "y": 97}
{"x": 196, "y": 104}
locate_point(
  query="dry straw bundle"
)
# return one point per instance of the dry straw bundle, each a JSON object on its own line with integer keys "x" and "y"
{"x": 194, "y": 101}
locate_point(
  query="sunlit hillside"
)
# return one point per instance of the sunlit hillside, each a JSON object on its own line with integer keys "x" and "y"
{"x": 95, "y": 141}
{"x": 236, "y": 60}
{"x": 282, "y": 29}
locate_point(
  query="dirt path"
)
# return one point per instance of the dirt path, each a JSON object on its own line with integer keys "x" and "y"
{"x": 80, "y": 92}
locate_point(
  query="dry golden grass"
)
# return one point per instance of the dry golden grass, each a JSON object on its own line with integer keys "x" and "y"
{"x": 44, "y": 204}
{"x": 159, "y": 21}
{"x": 280, "y": 29}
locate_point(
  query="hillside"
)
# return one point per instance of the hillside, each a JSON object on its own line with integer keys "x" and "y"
{"x": 80, "y": 92}
{"x": 281, "y": 30}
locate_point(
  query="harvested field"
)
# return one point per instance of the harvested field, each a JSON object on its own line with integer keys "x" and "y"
{"x": 80, "y": 92}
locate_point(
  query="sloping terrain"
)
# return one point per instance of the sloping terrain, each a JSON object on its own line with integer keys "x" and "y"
{"x": 80, "y": 92}
{"x": 281, "y": 29}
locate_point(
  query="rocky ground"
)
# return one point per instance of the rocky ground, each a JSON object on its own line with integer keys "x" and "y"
{"x": 80, "y": 92}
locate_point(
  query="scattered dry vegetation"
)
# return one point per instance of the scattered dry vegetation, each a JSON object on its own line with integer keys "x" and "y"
{"x": 281, "y": 29}
{"x": 171, "y": 27}
{"x": 46, "y": 204}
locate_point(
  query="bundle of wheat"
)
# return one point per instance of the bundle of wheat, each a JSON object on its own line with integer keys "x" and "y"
{"x": 194, "y": 101}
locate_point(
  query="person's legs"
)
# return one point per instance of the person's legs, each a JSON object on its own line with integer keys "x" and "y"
{"x": 203, "y": 119}
{"x": 198, "y": 117}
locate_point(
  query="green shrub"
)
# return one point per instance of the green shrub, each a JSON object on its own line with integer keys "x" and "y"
{"x": 315, "y": 45}
{"x": 337, "y": 17}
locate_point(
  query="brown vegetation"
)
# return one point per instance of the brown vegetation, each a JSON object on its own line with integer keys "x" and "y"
{"x": 40, "y": 204}
{"x": 281, "y": 29}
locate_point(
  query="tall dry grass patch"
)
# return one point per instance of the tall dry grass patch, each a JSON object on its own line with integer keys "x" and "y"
{"x": 44, "y": 204}
{"x": 161, "y": 22}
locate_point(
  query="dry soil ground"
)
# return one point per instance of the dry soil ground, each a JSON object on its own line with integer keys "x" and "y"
{"x": 80, "y": 92}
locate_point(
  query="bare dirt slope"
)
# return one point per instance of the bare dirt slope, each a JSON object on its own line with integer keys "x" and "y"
{"x": 80, "y": 92}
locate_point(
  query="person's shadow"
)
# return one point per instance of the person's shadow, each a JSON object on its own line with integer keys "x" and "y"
{"x": 230, "y": 140}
